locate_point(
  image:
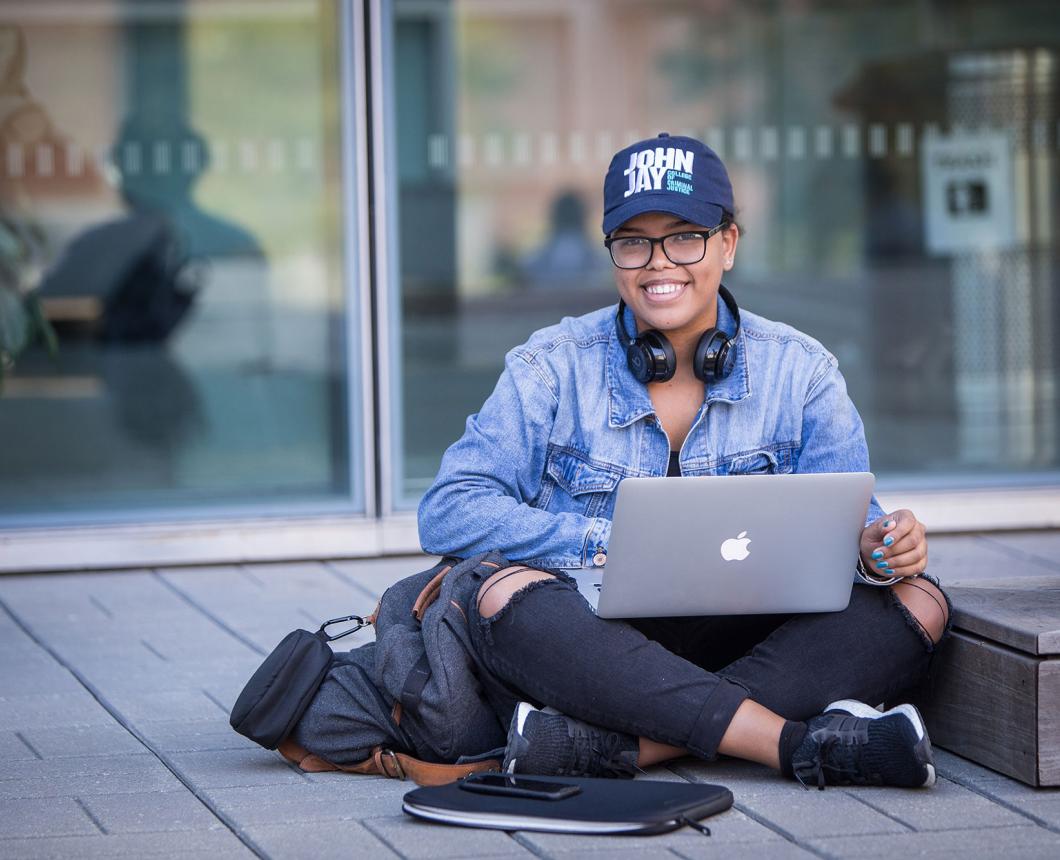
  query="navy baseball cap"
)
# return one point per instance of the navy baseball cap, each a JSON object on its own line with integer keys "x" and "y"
{"x": 679, "y": 175}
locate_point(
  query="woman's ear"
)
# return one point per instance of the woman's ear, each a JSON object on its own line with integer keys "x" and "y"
{"x": 730, "y": 237}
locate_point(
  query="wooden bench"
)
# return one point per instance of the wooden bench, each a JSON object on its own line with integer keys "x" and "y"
{"x": 994, "y": 692}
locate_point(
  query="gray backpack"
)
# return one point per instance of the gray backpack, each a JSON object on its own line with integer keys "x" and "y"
{"x": 413, "y": 703}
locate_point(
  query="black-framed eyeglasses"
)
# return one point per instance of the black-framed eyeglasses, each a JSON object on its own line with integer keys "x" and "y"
{"x": 681, "y": 249}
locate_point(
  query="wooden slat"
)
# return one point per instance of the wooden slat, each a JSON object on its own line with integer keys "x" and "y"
{"x": 1049, "y": 722}
{"x": 981, "y": 703}
{"x": 1022, "y": 612}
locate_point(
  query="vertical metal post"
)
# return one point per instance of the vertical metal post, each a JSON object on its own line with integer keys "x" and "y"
{"x": 384, "y": 247}
{"x": 360, "y": 358}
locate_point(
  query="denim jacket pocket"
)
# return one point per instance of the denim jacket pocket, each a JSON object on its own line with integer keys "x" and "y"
{"x": 773, "y": 460}
{"x": 584, "y": 486}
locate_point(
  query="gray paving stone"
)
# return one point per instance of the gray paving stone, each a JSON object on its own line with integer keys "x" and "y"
{"x": 200, "y": 640}
{"x": 160, "y": 660}
{"x": 125, "y": 774}
{"x": 170, "y": 705}
{"x": 75, "y": 708}
{"x": 35, "y": 673}
{"x": 1011, "y": 790}
{"x": 151, "y": 812}
{"x": 62, "y": 768}
{"x": 1012, "y": 843}
{"x": 1045, "y": 809}
{"x": 743, "y": 851}
{"x": 329, "y": 840}
{"x": 221, "y": 844}
{"x": 59, "y": 817}
{"x": 233, "y": 768}
{"x": 648, "y": 852}
{"x": 743, "y": 778}
{"x": 194, "y": 735}
{"x": 344, "y": 782}
{"x": 950, "y": 807}
{"x": 138, "y": 670}
{"x": 114, "y": 680}
{"x": 420, "y": 840}
{"x": 226, "y": 691}
{"x": 1039, "y": 548}
{"x": 13, "y": 748}
{"x": 728, "y": 828}
{"x": 109, "y": 740}
{"x": 309, "y": 585}
{"x": 957, "y": 559}
{"x": 815, "y": 814}
{"x": 376, "y": 575}
{"x": 960, "y": 769}
{"x": 341, "y": 799}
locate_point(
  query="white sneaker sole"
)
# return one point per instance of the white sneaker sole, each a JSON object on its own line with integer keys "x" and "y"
{"x": 860, "y": 709}
{"x": 522, "y": 711}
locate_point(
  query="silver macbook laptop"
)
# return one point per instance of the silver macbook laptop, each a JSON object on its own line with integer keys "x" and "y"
{"x": 733, "y": 545}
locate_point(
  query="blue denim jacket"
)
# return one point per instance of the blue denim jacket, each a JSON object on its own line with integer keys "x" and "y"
{"x": 535, "y": 473}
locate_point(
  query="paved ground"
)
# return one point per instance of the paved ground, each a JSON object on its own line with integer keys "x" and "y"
{"x": 114, "y": 738}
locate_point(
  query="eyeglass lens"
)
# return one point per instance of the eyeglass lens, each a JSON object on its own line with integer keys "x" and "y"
{"x": 632, "y": 252}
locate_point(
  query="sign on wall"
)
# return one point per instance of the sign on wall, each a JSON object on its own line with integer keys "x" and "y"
{"x": 967, "y": 192}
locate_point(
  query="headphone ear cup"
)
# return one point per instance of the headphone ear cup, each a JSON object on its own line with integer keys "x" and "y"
{"x": 712, "y": 354}
{"x": 651, "y": 357}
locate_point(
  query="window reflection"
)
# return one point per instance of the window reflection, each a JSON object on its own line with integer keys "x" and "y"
{"x": 172, "y": 174}
{"x": 836, "y": 123}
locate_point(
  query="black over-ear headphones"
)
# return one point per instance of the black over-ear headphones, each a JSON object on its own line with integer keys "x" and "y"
{"x": 651, "y": 358}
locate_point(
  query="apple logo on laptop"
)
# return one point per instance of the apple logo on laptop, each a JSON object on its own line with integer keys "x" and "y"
{"x": 735, "y": 549}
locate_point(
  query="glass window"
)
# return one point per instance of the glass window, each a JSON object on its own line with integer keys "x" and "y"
{"x": 172, "y": 305}
{"x": 895, "y": 175}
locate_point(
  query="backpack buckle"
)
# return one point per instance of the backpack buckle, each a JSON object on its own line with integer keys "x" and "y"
{"x": 385, "y": 753}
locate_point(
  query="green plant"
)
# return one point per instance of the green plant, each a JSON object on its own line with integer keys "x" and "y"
{"x": 22, "y": 321}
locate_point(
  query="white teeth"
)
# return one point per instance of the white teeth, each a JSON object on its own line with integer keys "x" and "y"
{"x": 662, "y": 289}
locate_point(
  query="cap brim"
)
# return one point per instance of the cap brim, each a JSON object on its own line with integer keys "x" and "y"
{"x": 692, "y": 211}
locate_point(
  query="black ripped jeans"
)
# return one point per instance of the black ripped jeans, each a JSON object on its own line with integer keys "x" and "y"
{"x": 679, "y": 681}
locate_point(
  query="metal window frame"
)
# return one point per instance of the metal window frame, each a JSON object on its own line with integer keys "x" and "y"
{"x": 225, "y": 535}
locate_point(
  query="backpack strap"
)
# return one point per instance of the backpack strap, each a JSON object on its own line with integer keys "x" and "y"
{"x": 420, "y": 673}
{"x": 385, "y": 762}
{"x": 429, "y": 593}
{"x": 415, "y": 681}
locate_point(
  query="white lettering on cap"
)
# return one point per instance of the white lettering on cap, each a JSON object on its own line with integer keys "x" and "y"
{"x": 650, "y": 169}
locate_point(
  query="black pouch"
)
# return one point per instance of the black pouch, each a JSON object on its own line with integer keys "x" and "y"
{"x": 278, "y": 693}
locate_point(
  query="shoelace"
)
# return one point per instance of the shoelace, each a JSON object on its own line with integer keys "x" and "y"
{"x": 592, "y": 759}
{"x": 844, "y": 731}
{"x": 816, "y": 764}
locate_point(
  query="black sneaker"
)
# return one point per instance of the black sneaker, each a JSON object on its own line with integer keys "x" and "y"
{"x": 552, "y": 744}
{"x": 852, "y": 743}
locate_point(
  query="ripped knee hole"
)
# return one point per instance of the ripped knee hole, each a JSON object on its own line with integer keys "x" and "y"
{"x": 497, "y": 591}
{"x": 926, "y": 604}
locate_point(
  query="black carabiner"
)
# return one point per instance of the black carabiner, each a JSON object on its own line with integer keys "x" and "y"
{"x": 360, "y": 622}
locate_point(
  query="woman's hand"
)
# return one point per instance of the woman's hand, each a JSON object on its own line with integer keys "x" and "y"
{"x": 895, "y": 545}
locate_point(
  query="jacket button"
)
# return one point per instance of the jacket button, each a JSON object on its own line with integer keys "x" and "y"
{"x": 600, "y": 559}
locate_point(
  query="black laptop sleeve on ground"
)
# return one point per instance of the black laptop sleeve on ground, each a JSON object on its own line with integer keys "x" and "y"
{"x": 603, "y": 807}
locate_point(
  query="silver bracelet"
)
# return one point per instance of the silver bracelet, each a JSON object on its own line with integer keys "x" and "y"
{"x": 870, "y": 577}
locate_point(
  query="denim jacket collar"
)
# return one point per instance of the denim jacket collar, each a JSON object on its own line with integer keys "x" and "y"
{"x": 629, "y": 399}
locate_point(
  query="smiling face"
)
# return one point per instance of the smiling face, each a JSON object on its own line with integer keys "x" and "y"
{"x": 681, "y": 301}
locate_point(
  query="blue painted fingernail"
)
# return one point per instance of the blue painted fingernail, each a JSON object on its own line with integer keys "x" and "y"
{"x": 887, "y": 541}
{"x": 882, "y": 564}
{"x": 889, "y": 524}
{"x": 878, "y": 554}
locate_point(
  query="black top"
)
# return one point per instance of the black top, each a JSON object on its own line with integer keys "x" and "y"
{"x": 674, "y": 469}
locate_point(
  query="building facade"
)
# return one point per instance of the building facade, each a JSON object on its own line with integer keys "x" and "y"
{"x": 261, "y": 258}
